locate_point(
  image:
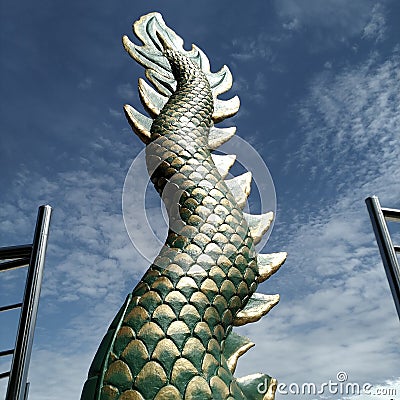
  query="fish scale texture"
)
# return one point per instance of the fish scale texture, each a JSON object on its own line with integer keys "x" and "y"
{"x": 170, "y": 342}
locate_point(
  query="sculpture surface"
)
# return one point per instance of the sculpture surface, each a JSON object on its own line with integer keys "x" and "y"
{"x": 173, "y": 339}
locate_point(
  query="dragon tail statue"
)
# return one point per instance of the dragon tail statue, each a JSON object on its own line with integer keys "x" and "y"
{"x": 173, "y": 339}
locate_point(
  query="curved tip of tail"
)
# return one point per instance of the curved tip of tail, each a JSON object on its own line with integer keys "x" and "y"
{"x": 164, "y": 43}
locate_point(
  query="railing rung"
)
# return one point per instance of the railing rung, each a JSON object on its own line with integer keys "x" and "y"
{"x": 5, "y": 374}
{"x": 396, "y": 249}
{"x": 6, "y": 352}
{"x": 391, "y": 214}
{"x": 8, "y": 253}
{"x": 10, "y": 307}
{"x": 21, "y": 262}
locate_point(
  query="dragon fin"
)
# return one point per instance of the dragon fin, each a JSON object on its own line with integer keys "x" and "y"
{"x": 258, "y": 224}
{"x": 218, "y": 136}
{"x": 140, "y": 123}
{"x": 268, "y": 264}
{"x": 152, "y": 101}
{"x": 258, "y": 306}
{"x": 235, "y": 346}
{"x": 240, "y": 187}
{"x": 163, "y": 84}
{"x": 225, "y": 108}
{"x": 223, "y": 163}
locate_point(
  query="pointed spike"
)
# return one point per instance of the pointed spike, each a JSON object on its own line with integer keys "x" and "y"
{"x": 223, "y": 163}
{"x": 218, "y": 136}
{"x": 235, "y": 346}
{"x": 258, "y": 306}
{"x": 164, "y": 84}
{"x": 152, "y": 101}
{"x": 258, "y": 224}
{"x": 151, "y": 26}
{"x": 200, "y": 58}
{"x": 144, "y": 30}
{"x": 140, "y": 123}
{"x": 232, "y": 361}
{"x": 254, "y": 386}
{"x": 225, "y": 108}
{"x": 149, "y": 59}
{"x": 268, "y": 264}
{"x": 240, "y": 187}
{"x": 220, "y": 81}
{"x": 161, "y": 39}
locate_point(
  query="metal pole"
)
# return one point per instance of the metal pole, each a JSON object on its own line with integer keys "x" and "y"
{"x": 16, "y": 389}
{"x": 386, "y": 248}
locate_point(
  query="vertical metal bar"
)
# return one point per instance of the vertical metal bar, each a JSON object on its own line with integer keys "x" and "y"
{"x": 23, "y": 347}
{"x": 26, "y": 392}
{"x": 388, "y": 254}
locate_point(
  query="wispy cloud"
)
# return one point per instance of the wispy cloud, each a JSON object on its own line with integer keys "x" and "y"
{"x": 253, "y": 87}
{"x": 115, "y": 113}
{"x": 126, "y": 91}
{"x": 247, "y": 49}
{"x": 357, "y": 118}
{"x": 85, "y": 84}
{"x": 348, "y": 18}
{"x": 376, "y": 27}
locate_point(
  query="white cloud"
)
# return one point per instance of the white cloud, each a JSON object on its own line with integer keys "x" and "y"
{"x": 376, "y": 27}
{"x": 250, "y": 48}
{"x": 55, "y": 374}
{"x": 254, "y": 88}
{"x": 356, "y": 111}
{"x": 85, "y": 84}
{"x": 126, "y": 91}
{"x": 292, "y": 25}
{"x": 115, "y": 113}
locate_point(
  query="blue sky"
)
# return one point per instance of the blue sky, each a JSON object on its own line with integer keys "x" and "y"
{"x": 320, "y": 93}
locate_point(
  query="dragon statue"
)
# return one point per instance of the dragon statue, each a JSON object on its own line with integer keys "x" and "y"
{"x": 172, "y": 339}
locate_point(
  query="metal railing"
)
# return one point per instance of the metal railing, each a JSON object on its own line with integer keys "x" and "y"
{"x": 388, "y": 251}
{"x": 32, "y": 256}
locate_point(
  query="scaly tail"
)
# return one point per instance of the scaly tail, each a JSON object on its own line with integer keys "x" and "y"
{"x": 173, "y": 338}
